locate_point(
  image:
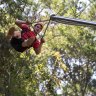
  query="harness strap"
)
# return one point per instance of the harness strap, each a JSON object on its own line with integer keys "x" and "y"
{"x": 46, "y": 28}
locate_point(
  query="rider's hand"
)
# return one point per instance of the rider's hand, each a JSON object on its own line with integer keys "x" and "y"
{"x": 42, "y": 40}
{"x": 28, "y": 22}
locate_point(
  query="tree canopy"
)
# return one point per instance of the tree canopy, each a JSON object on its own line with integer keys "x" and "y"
{"x": 67, "y": 64}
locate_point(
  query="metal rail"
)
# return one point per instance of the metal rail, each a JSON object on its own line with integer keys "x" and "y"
{"x": 71, "y": 21}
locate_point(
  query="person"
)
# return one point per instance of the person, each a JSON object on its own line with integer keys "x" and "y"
{"x": 25, "y": 39}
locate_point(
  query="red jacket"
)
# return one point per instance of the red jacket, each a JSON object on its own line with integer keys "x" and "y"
{"x": 27, "y": 33}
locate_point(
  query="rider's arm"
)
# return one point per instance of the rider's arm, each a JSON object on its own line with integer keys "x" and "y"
{"x": 39, "y": 46}
{"x": 20, "y": 22}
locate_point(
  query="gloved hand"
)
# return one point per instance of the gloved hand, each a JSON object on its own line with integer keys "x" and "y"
{"x": 42, "y": 40}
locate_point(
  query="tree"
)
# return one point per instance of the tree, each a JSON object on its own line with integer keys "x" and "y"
{"x": 67, "y": 61}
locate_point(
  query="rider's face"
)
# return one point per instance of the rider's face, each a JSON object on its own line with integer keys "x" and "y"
{"x": 37, "y": 28}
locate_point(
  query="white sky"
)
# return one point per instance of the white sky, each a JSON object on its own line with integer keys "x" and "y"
{"x": 86, "y": 1}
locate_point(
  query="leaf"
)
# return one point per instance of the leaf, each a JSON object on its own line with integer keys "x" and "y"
{"x": 63, "y": 66}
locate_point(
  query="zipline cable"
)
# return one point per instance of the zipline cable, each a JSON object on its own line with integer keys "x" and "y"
{"x": 46, "y": 27}
{"x": 40, "y": 21}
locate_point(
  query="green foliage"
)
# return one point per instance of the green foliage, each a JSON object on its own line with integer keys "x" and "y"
{"x": 68, "y": 57}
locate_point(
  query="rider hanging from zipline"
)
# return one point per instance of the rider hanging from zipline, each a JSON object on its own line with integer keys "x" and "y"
{"x": 25, "y": 39}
